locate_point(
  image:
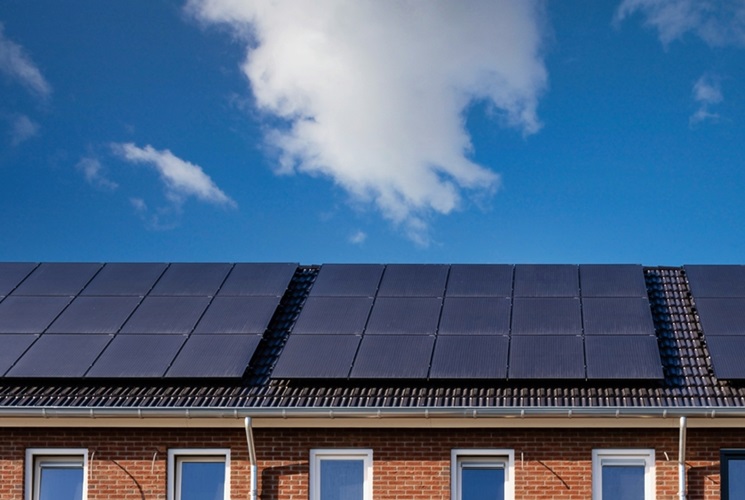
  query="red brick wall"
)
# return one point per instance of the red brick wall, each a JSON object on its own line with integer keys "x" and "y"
{"x": 407, "y": 463}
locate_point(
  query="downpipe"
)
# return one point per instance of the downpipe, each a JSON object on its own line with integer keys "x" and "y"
{"x": 682, "y": 459}
{"x": 251, "y": 458}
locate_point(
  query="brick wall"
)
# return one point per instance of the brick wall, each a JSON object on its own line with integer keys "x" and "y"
{"x": 408, "y": 464}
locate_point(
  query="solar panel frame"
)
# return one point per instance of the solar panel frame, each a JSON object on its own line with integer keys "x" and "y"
{"x": 727, "y": 356}
{"x": 720, "y": 316}
{"x": 546, "y": 357}
{"x": 124, "y": 279}
{"x": 623, "y": 357}
{"x": 216, "y": 356}
{"x": 166, "y": 315}
{"x": 13, "y": 347}
{"x": 93, "y": 315}
{"x": 237, "y": 315}
{"x": 23, "y": 314}
{"x": 59, "y": 356}
{"x": 57, "y": 279}
{"x": 612, "y": 280}
{"x": 617, "y": 316}
{"x": 258, "y": 279}
{"x": 347, "y": 280}
{"x": 470, "y": 357}
{"x": 480, "y": 280}
{"x": 317, "y": 357}
{"x": 475, "y": 316}
{"x": 393, "y": 357}
{"x": 191, "y": 279}
{"x": 708, "y": 281}
{"x": 404, "y": 315}
{"x": 333, "y": 315}
{"x": 413, "y": 280}
{"x": 546, "y": 316}
{"x": 12, "y": 274}
{"x": 137, "y": 356}
{"x": 546, "y": 280}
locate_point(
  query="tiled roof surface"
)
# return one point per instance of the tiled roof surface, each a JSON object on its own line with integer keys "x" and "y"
{"x": 688, "y": 382}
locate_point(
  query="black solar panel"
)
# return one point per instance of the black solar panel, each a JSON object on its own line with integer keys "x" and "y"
{"x": 57, "y": 279}
{"x": 413, "y": 280}
{"x": 258, "y": 279}
{"x": 479, "y": 280}
{"x": 347, "y": 280}
{"x": 727, "y": 356}
{"x": 413, "y": 315}
{"x": 12, "y": 273}
{"x": 13, "y": 346}
{"x": 551, "y": 316}
{"x": 137, "y": 356}
{"x": 225, "y": 356}
{"x": 344, "y": 315}
{"x": 545, "y": 280}
{"x": 393, "y": 357}
{"x": 238, "y": 315}
{"x": 29, "y": 314}
{"x": 716, "y": 281}
{"x": 603, "y": 280}
{"x": 317, "y": 356}
{"x": 191, "y": 279}
{"x": 546, "y": 357}
{"x": 124, "y": 279}
{"x": 617, "y": 316}
{"x": 724, "y": 316}
{"x": 59, "y": 356}
{"x": 166, "y": 315}
{"x": 623, "y": 357}
{"x": 475, "y": 315}
{"x": 470, "y": 357}
{"x": 94, "y": 315}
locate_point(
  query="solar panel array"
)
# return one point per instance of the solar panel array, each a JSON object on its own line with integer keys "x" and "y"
{"x": 474, "y": 322}
{"x": 719, "y": 296}
{"x": 98, "y": 321}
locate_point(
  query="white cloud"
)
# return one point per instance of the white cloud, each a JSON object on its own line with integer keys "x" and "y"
{"x": 93, "y": 172}
{"x": 716, "y": 22}
{"x": 706, "y": 93}
{"x": 181, "y": 178}
{"x": 22, "y": 129}
{"x": 358, "y": 238}
{"x": 373, "y": 94}
{"x": 18, "y": 66}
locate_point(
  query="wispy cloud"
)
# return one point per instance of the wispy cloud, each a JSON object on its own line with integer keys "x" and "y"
{"x": 706, "y": 93}
{"x": 22, "y": 128}
{"x": 358, "y": 238}
{"x": 716, "y": 22}
{"x": 373, "y": 94}
{"x": 182, "y": 180}
{"x": 93, "y": 171}
{"x": 18, "y": 66}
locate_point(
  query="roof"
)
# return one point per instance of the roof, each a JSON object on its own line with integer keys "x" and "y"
{"x": 688, "y": 377}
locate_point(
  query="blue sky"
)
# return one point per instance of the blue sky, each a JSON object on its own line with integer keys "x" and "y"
{"x": 212, "y": 130}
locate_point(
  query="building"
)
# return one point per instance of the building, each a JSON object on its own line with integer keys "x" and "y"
{"x": 283, "y": 381}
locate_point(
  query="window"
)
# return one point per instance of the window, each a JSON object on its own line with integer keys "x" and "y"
{"x": 341, "y": 474}
{"x": 732, "y": 474}
{"x": 56, "y": 474}
{"x": 623, "y": 475}
{"x": 482, "y": 474}
{"x": 199, "y": 474}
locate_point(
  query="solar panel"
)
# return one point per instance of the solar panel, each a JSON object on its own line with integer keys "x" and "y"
{"x": 402, "y": 315}
{"x": 617, "y": 316}
{"x": 191, "y": 279}
{"x": 317, "y": 356}
{"x": 57, "y": 279}
{"x": 345, "y": 315}
{"x": 601, "y": 280}
{"x": 722, "y": 316}
{"x": 94, "y": 315}
{"x": 258, "y": 279}
{"x": 393, "y": 357}
{"x": 546, "y": 357}
{"x": 12, "y": 273}
{"x": 58, "y": 356}
{"x": 727, "y": 357}
{"x": 124, "y": 279}
{"x": 475, "y": 316}
{"x": 470, "y": 357}
{"x": 623, "y": 357}
{"x": 551, "y": 316}
{"x": 347, "y": 280}
{"x": 479, "y": 280}
{"x": 166, "y": 315}
{"x": 716, "y": 281}
{"x": 225, "y": 356}
{"x": 137, "y": 356}
{"x": 238, "y": 315}
{"x": 413, "y": 280}
{"x": 29, "y": 314}
{"x": 545, "y": 280}
{"x": 13, "y": 346}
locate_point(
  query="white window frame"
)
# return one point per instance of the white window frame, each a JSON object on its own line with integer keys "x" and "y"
{"x": 36, "y": 456}
{"x": 491, "y": 456}
{"x": 177, "y": 456}
{"x": 644, "y": 457}
{"x": 364, "y": 454}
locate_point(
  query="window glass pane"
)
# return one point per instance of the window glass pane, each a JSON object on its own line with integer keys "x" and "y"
{"x": 202, "y": 480}
{"x": 60, "y": 482}
{"x": 736, "y": 470}
{"x": 623, "y": 482}
{"x": 342, "y": 479}
{"x": 482, "y": 483}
